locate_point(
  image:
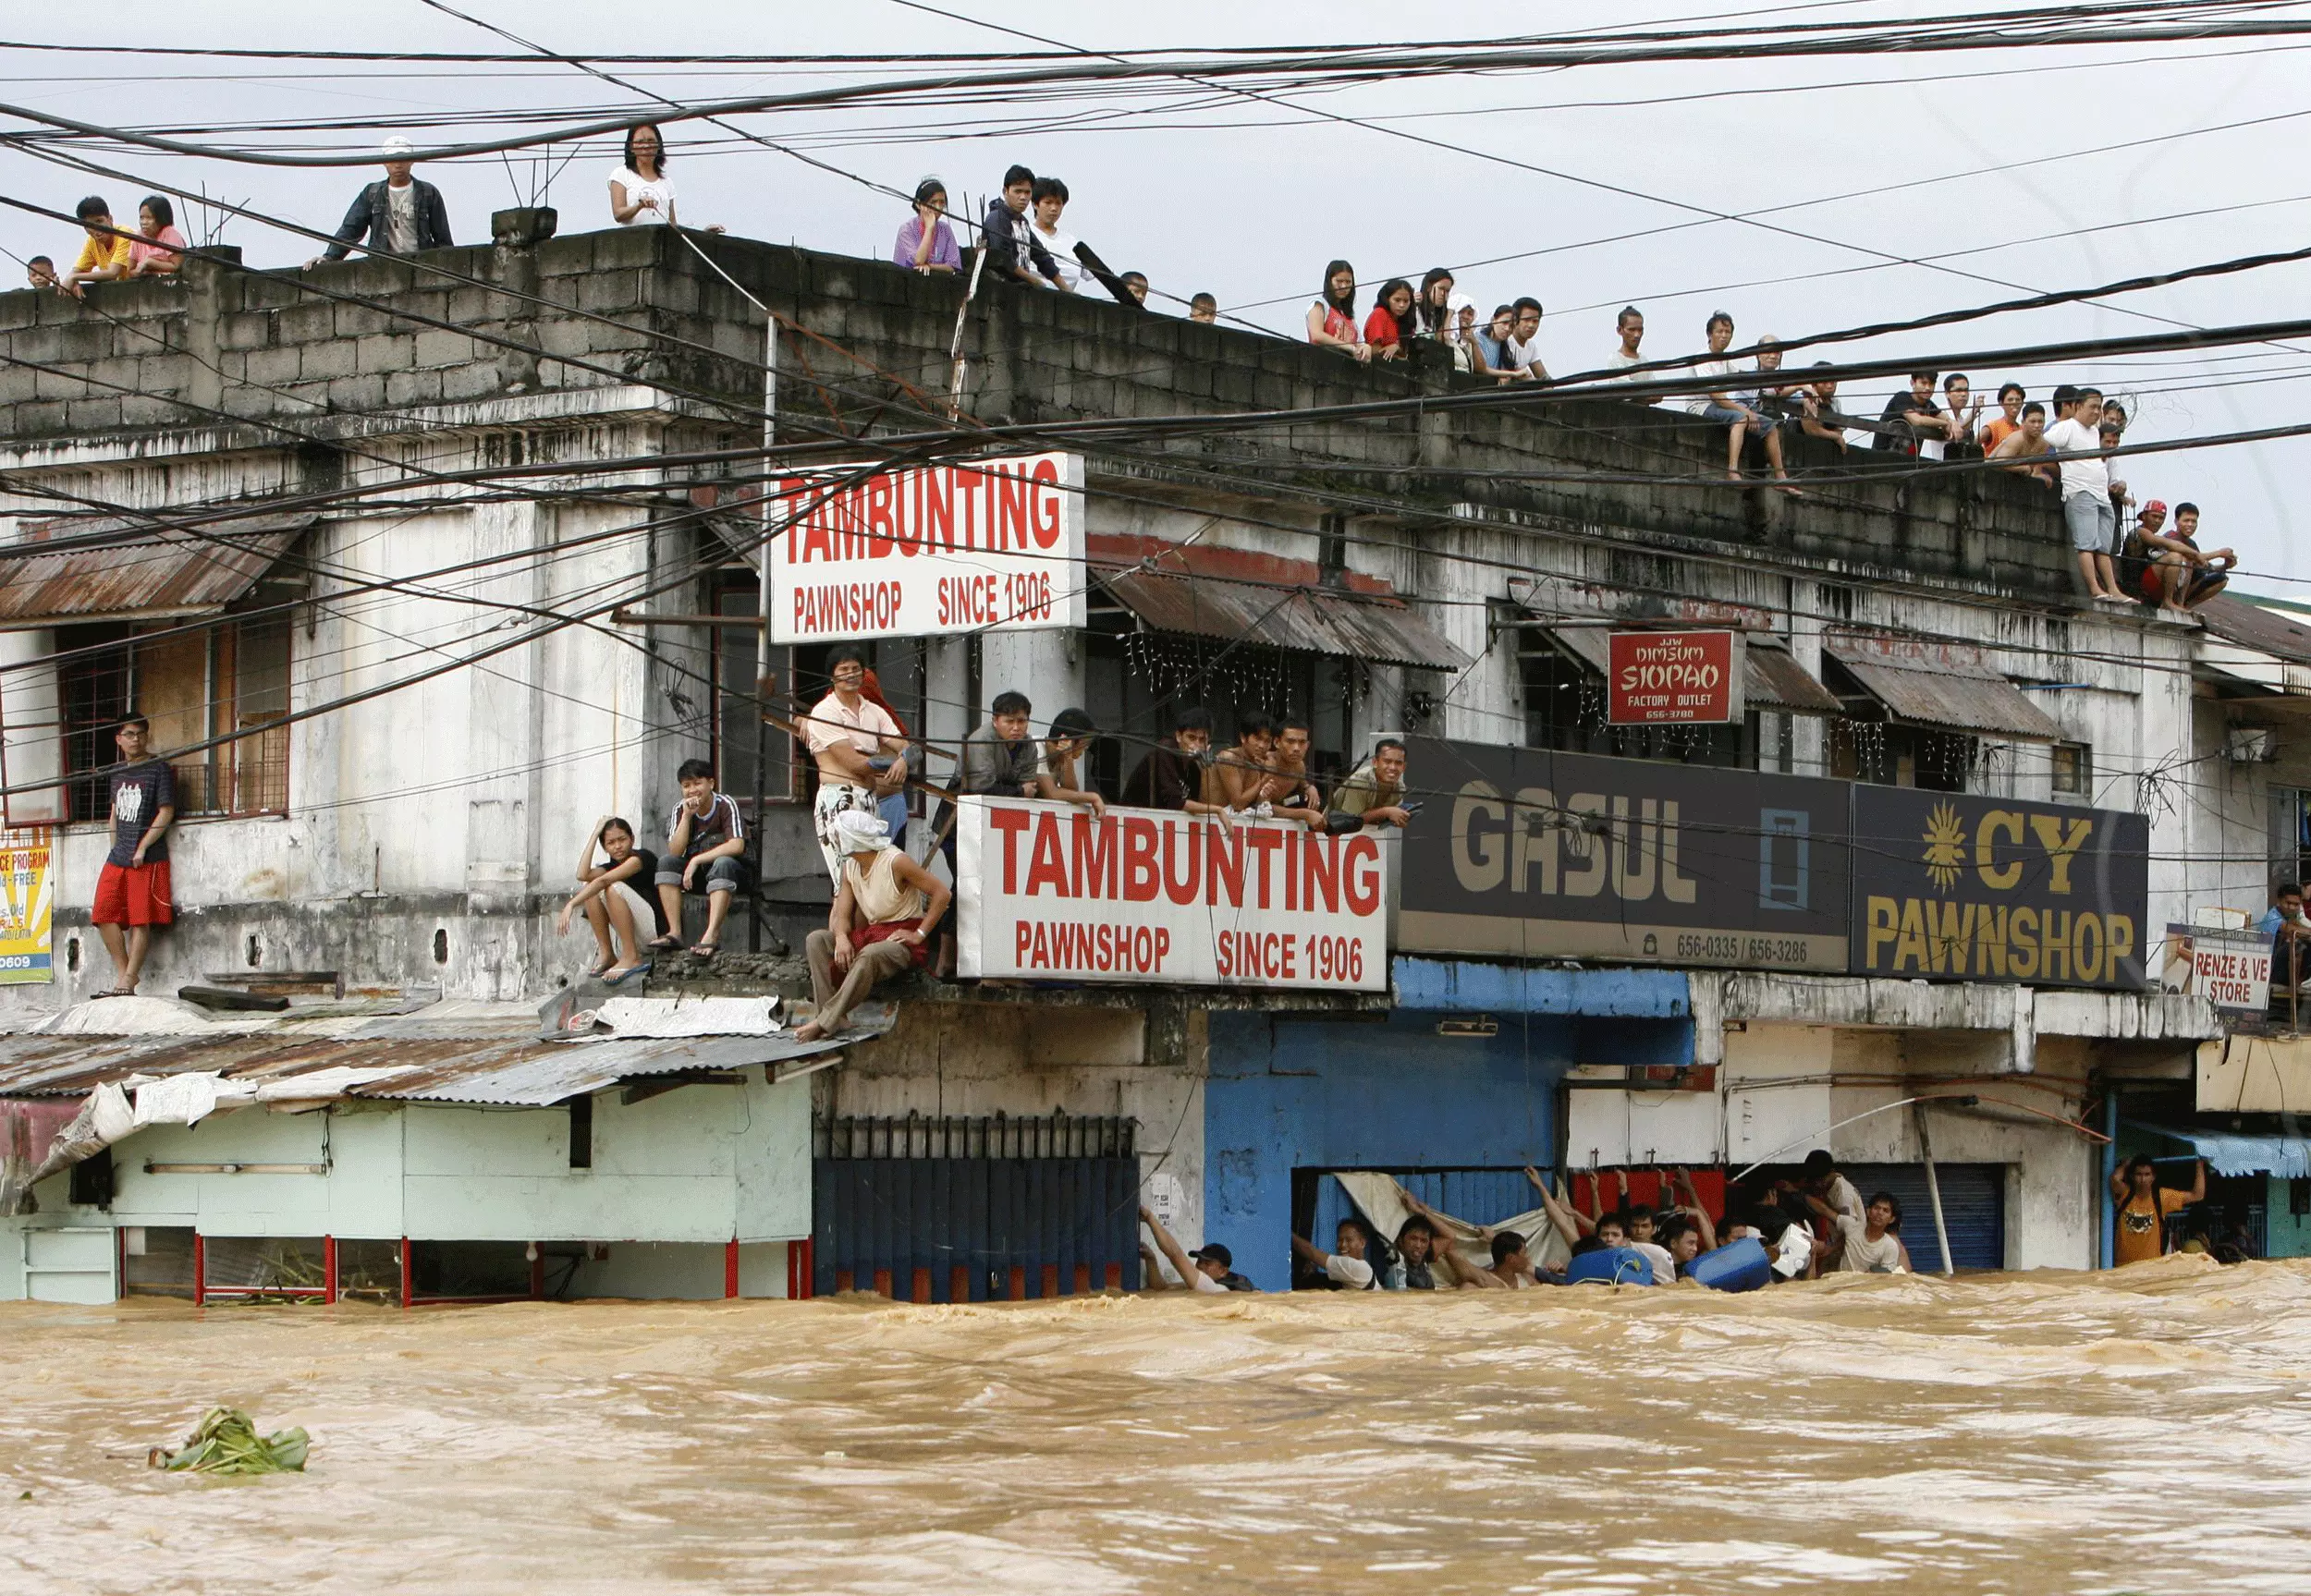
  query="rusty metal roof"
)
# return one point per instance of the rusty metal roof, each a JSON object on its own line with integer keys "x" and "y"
{"x": 1939, "y": 689}
{"x": 2251, "y": 624}
{"x": 169, "y": 575}
{"x": 1770, "y": 677}
{"x": 1229, "y": 593}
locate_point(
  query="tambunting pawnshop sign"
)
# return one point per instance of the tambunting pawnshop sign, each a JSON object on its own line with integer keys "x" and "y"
{"x": 1537, "y": 854}
{"x": 1056, "y": 893}
{"x": 989, "y": 544}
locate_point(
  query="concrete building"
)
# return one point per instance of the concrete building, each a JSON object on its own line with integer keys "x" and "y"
{"x": 519, "y": 487}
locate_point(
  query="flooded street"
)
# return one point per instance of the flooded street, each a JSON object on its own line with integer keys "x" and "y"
{"x": 2145, "y": 1432}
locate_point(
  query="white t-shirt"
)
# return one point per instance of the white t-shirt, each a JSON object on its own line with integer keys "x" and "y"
{"x": 1353, "y": 1273}
{"x": 659, "y": 195}
{"x": 2079, "y": 476}
{"x": 1860, "y": 1254}
{"x": 401, "y": 218}
{"x": 1621, "y": 360}
{"x": 1653, "y": 1253}
{"x": 1844, "y": 1198}
{"x": 1719, "y": 375}
{"x": 1522, "y": 356}
{"x": 1199, "y": 1281}
{"x": 1062, "y": 250}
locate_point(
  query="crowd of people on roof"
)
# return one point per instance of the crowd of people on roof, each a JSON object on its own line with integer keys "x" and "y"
{"x": 2147, "y": 560}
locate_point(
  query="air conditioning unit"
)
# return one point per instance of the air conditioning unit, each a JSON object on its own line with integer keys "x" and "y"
{"x": 2252, "y": 745}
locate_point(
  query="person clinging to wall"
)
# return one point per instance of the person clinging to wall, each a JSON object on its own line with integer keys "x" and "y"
{"x": 132, "y": 889}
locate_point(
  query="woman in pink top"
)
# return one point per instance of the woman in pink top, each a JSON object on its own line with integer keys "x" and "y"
{"x": 155, "y": 253}
{"x": 1332, "y": 319}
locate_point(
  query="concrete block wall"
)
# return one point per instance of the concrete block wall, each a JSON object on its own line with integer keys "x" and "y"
{"x": 869, "y": 348}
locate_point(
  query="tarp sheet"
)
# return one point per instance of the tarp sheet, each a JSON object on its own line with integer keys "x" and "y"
{"x": 1381, "y": 1200}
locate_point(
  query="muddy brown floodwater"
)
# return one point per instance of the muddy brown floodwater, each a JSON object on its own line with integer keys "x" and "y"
{"x": 2147, "y": 1431}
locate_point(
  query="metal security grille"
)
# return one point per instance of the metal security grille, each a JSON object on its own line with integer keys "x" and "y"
{"x": 975, "y": 1209}
{"x": 1974, "y": 1206}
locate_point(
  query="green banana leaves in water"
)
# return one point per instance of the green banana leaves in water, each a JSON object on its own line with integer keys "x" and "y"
{"x": 226, "y": 1441}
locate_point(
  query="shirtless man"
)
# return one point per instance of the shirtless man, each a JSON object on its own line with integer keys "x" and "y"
{"x": 1234, "y": 779}
{"x": 1286, "y": 789}
{"x": 2026, "y": 449}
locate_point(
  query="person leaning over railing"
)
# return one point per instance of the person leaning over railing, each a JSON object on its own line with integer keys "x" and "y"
{"x": 1172, "y": 776}
{"x": 1372, "y": 793}
{"x": 926, "y": 243}
{"x": 399, "y": 215}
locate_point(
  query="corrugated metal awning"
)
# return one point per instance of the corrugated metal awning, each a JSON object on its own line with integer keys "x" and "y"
{"x": 154, "y": 578}
{"x": 1772, "y": 678}
{"x": 1927, "y": 689}
{"x": 1232, "y": 594}
{"x": 521, "y": 1071}
{"x": 2227, "y": 1152}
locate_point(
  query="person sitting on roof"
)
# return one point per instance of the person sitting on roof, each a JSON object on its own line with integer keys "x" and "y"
{"x": 879, "y": 926}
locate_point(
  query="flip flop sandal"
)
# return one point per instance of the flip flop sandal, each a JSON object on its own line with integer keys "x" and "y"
{"x": 706, "y": 950}
{"x": 626, "y": 975}
{"x": 594, "y": 970}
{"x": 664, "y": 944}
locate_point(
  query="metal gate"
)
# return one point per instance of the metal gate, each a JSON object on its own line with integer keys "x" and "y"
{"x": 1974, "y": 1206}
{"x": 974, "y": 1210}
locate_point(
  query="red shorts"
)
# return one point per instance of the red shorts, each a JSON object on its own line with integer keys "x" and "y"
{"x": 132, "y": 895}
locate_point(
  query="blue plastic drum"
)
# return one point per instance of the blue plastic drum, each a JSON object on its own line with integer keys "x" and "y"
{"x": 1737, "y": 1266}
{"x": 1610, "y": 1266}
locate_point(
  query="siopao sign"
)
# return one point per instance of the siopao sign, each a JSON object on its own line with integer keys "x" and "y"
{"x": 1964, "y": 887}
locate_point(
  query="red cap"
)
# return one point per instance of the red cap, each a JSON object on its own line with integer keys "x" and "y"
{"x": 2156, "y": 508}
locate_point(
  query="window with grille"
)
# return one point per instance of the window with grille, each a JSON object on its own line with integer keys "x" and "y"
{"x": 195, "y": 685}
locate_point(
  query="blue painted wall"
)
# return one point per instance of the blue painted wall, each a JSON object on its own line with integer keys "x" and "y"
{"x": 1288, "y": 1094}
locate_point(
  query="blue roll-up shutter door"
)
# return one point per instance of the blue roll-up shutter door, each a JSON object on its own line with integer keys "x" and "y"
{"x": 1974, "y": 1206}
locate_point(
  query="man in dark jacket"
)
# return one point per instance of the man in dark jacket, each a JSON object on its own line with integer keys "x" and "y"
{"x": 399, "y": 216}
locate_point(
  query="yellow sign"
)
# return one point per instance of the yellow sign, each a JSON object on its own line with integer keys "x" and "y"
{"x": 27, "y": 896}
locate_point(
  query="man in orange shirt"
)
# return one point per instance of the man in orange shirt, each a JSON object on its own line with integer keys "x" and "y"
{"x": 2144, "y": 1206}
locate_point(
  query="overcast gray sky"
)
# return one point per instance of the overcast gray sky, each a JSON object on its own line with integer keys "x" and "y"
{"x": 1213, "y": 191}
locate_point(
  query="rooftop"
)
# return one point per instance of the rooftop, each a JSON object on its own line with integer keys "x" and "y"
{"x": 528, "y": 332}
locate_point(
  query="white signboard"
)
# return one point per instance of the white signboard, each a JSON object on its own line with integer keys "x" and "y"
{"x": 1050, "y": 892}
{"x": 990, "y": 544}
{"x": 2231, "y": 969}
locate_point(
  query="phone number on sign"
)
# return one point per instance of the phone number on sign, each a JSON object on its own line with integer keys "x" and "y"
{"x": 1747, "y": 949}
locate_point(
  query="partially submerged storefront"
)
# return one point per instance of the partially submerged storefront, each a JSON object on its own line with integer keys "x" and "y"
{"x": 437, "y": 1154}
{"x": 1902, "y": 976}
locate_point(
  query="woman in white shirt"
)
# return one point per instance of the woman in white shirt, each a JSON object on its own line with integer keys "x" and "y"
{"x": 640, "y": 193}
